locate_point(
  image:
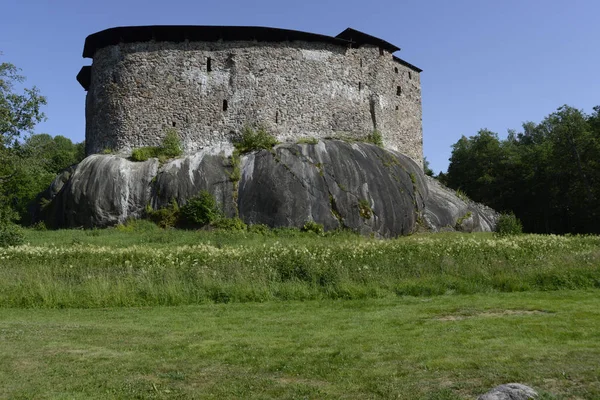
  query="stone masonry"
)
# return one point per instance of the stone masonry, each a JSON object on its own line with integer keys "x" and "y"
{"x": 208, "y": 91}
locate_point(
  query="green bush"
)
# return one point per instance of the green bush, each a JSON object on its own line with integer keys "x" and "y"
{"x": 137, "y": 225}
{"x": 254, "y": 140}
{"x": 260, "y": 229}
{"x": 169, "y": 148}
{"x": 11, "y": 235}
{"x": 144, "y": 153}
{"x": 364, "y": 209}
{"x": 230, "y": 224}
{"x": 171, "y": 145}
{"x": 508, "y": 224}
{"x": 201, "y": 210}
{"x": 376, "y": 138}
{"x": 166, "y": 217}
{"x": 312, "y": 226}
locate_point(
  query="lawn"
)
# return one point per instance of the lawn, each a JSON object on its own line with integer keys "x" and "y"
{"x": 441, "y": 347}
{"x": 142, "y": 312}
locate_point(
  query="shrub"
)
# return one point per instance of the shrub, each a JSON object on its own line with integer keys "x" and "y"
{"x": 201, "y": 210}
{"x": 165, "y": 217}
{"x": 230, "y": 224}
{"x": 254, "y": 140}
{"x": 171, "y": 145}
{"x": 312, "y": 226}
{"x": 11, "y": 235}
{"x": 508, "y": 224}
{"x": 376, "y": 138}
{"x": 364, "y": 209}
{"x": 137, "y": 225}
{"x": 144, "y": 153}
{"x": 260, "y": 229}
{"x": 169, "y": 148}
{"x": 307, "y": 140}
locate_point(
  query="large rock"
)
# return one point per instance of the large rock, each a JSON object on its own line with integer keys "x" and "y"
{"x": 446, "y": 210}
{"x": 510, "y": 391}
{"x": 354, "y": 185}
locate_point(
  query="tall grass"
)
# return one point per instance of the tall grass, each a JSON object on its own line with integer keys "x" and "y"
{"x": 162, "y": 267}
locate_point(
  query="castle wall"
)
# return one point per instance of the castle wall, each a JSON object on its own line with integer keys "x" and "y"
{"x": 301, "y": 89}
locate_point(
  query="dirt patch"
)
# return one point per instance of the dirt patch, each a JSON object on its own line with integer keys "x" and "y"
{"x": 491, "y": 313}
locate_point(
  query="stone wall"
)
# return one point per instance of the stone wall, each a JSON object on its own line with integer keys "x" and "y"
{"x": 208, "y": 91}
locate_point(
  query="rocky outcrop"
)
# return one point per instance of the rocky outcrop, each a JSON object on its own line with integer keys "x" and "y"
{"x": 510, "y": 391}
{"x": 447, "y": 210}
{"x": 341, "y": 185}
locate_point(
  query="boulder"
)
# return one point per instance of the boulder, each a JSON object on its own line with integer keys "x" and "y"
{"x": 358, "y": 186}
{"x": 510, "y": 391}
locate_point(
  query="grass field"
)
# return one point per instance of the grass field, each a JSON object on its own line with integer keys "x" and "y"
{"x": 166, "y": 267}
{"x": 442, "y": 347}
{"x": 139, "y": 312}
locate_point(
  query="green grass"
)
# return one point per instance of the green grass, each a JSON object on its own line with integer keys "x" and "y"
{"x": 106, "y": 268}
{"x": 443, "y": 347}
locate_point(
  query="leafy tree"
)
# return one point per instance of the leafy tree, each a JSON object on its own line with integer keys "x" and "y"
{"x": 28, "y": 163}
{"x": 548, "y": 174}
{"x": 19, "y": 112}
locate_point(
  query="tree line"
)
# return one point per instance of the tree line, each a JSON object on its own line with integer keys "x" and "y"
{"x": 548, "y": 174}
{"x": 28, "y": 162}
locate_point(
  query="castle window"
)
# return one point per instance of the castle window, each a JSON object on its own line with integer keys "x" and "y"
{"x": 409, "y": 75}
{"x": 208, "y": 64}
{"x": 396, "y": 70}
{"x": 398, "y": 90}
{"x": 173, "y": 123}
{"x": 361, "y": 62}
{"x": 276, "y": 117}
{"x": 396, "y": 108}
{"x": 225, "y": 105}
{"x": 381, "y": 51}
{"x": 359, "y": 85}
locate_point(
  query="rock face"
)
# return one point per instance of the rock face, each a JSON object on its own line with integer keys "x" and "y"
{"x": 446, "y": 210}
{"x": 510, "y": 391}
{"x": 353, "y": 185}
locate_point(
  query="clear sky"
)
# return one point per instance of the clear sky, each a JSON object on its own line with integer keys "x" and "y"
{"x": 487, "y": 64}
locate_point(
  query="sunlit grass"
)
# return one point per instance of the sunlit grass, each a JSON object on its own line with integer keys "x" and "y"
{"x": 168, "y": 267}
{"x": 442, "y": 347}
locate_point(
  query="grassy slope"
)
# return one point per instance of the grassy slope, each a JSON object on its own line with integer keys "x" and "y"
{"x": 443, "y": 347}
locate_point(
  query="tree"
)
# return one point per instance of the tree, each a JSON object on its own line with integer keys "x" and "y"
{"x": 548, "y": 174}
{"x": 19, "y": 113}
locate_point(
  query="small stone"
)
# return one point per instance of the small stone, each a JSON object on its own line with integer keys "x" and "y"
{"x": 510, "y": 391}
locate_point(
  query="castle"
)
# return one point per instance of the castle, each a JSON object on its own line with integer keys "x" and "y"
{"x": 208, "y": 82}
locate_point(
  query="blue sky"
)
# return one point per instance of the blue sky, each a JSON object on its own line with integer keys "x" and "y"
{"x": 487, "y": 64}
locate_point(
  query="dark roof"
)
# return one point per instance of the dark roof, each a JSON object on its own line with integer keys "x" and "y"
{"x": 180, "y": 33}
{"x": 84, "y": 77}
{"x": 359, "y": 38}
{"x": 406, "y": 64}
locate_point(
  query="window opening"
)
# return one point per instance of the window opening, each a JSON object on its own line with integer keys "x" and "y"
{"x": 359, "y": 85}
{"x": 381, "y": 51}
{"x": 396, "y": 70}
{"x": 225, "y": 105}
{"x": 173, "y": 123}
{"x": 409, "y": 75}
{"x": 398, "y": 90}
{"x": 396, "y": 108}
{"x": 208, "y": 64}
{"x": 276, "y": 117}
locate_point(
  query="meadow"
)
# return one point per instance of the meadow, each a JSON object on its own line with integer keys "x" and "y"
{"x": 142, "y": 312}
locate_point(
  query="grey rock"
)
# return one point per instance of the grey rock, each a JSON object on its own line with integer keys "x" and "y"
{"x": 446, "y": 211}
{"x": 510, "y": 391}
{"x": 358, "y": 186}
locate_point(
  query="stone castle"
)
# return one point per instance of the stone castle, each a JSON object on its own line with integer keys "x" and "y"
{"x": 208, "y": 82}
